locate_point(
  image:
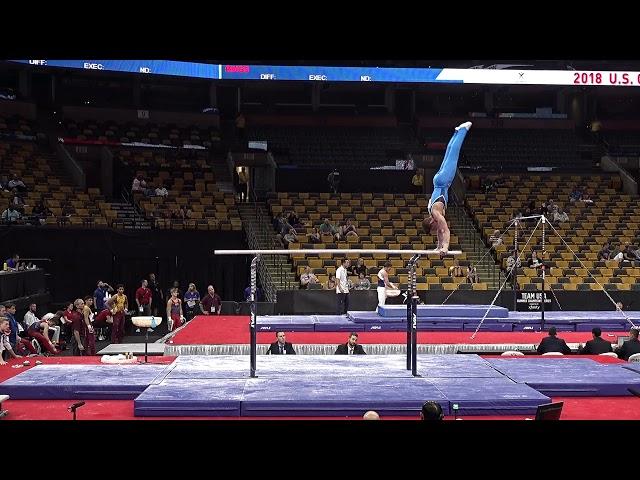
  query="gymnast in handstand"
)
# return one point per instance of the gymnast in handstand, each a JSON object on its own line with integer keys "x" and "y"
{"x": 436, "y": 222}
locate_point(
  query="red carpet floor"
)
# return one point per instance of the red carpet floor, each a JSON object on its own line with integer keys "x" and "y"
{"x": 207, "y": 330}
{"x": 584, "y": 408}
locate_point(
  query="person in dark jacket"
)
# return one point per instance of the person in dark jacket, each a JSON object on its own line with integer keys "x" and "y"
{"x": 629, "y": 347}
{"x": 552, "y": 343}
{"x": 595, "y": 346}
{"x": 281, "y": 347}
{"x": 351, "y": 347}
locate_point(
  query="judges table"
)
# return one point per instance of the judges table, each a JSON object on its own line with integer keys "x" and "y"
{"x": 21, "y": 284}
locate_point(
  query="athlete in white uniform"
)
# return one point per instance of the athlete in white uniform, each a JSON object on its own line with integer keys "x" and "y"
{"x": 384, "y": 283}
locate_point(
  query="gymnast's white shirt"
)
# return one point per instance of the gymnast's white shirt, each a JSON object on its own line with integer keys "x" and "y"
{"x": 342, "y": 277}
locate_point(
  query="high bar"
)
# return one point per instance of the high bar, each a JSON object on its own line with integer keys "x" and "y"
{"x": 337, "y": 250}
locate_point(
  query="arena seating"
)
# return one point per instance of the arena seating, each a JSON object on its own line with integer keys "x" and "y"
{"x": 151, "y": 133}
{"x": 383, "y": 221}
{"x": 191, "y": 183}
{"x": 613, "y": 216}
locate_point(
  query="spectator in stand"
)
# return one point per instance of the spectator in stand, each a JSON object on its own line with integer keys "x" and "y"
{"x": 67, "y": 210}
{"x": 13, "y": 262}
{"x": 5, "y": 343}
{"x": 495, "y": 239}
{"x": 41, "y": 211}
{"x": 456, "y": 270}
{"x": 144, "y": 299}
{"x": 211, "y": 303}
{"x": 138, "y": 184}
{"x": 120, "y": 306}
{"x": 334, "y": 181}
{"x": 358, "y": 268}
{"x": 629, "y": 254}
{"x": 308, "y": 278}
{"x": 289, "y": 237}
{"x": 192, "y": 301}
{"x": 294, "y": 220}
{"x": 157, "y": 298}
{"x": 605, "y": 253}
{"x": 531, "y": 208}
{"x": 348, "y": 230}
{"x": 472, "y": 275}
{"x": 17, "y": 184}
{"x": 4, "y": 184}
{"x": 363, "y": 283}
{"x": 551, "y": 208}
{"x": 418, "y": 181}
{"x": 560, "y": 215}
{"x": 175, "y": 316}
{"x": 616, "y": 255}
{"x": 586, "y": 199}
{"x": 18, "y": 202}
{"x": 331, "y": 283}
{"x": 575, "y": 195}
{"x": 279, "y": 222}
{"x": 314, "y": 236}
{"x": 162, "y": 191}
{"x": 513, "y": 263}
{"x": 535, "y": 262}
{"x": 326, "y": 228}
{"x": 11, "y": 215}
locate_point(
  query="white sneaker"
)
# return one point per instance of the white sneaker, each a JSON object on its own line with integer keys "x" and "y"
{"x": 101, "y": 338}
{"x": 150, "y": 330}
{"x": 137, "y": 330}
{"x": 466, "y": 125}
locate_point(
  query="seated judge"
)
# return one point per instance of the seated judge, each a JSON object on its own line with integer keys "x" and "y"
{"x": 351, "y": 347}
{"x": 281, "y": 346}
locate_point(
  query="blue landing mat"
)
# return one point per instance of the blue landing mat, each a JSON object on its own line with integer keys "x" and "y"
{"x": 333, "y": 386}
{"x": 101, "y": 382}
{"x": 299, "y": 366}
{"x": 569, "y": 377}
{"x": 607, "y": 327}
{"x": 490, "y": 396}
{"x": 191, "y": 398}
{"x": 274, "y": 323}
{"x": 473, "y": 311}
{"x": 576, "y": 316}
{"x": 373, "y": 317}
{"x": 488, "y": 327}
{"x": 634, "y": 367}
{"x": 336, "y": 323}
{"x": 338, "y": 396}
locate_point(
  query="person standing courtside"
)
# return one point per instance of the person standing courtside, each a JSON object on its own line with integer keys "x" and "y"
{"x": 342, "y": 287}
